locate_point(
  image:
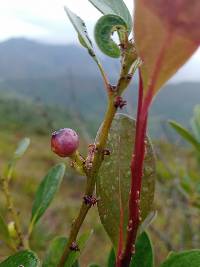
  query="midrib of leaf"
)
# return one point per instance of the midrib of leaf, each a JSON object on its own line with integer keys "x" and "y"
{"x": 121, "y": 224}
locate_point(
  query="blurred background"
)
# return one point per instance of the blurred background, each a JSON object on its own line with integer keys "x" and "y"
{"x": 47, "y": 82}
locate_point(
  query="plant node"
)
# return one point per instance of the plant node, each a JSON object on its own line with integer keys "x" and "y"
{"x": 74, "y": 246}
{"x": 90, "y": 200}
{"x": 106, "y": 152}
{"x": 119, "y": 102}
{"x": 92, "y": 149}
{"x": 113, "y": 88}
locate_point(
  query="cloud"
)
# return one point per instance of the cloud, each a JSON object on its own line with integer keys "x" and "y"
{"x": 45, "y": 20}
{"x": 16, "y": 27}
{"x": 45, "y": 14}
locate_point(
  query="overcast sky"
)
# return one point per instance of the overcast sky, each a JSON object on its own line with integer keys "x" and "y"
{"x": 46, "y": 21}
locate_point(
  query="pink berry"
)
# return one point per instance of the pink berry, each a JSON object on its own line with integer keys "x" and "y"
{"x": 64, "y": 142}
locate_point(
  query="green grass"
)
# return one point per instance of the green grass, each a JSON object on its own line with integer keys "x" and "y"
{"x": 29, "y": 172}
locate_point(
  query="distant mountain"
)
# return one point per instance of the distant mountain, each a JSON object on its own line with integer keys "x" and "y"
{"x": 22, "y": 59}
{"x": 66, "y": 77}
{"x": 175, "y": 101}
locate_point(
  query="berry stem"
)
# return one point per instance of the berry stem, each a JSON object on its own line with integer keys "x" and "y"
{"x": 91, "y": 179}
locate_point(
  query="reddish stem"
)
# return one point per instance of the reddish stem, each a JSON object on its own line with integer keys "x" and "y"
{"x": 136, "y": 181}
{"x": 139, "y": 155}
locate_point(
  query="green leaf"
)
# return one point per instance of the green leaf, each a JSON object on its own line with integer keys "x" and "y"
{"x": 111, "y": 259}
{"x": 19, "y": 152}
{"x": 4, "y": 233}
{"x": 143, "y": 252}
{"x": 183, "y": 259}
{"x": 104, "y": 29}
{"x": 25, "y": 258}
{"x": 46, "y": 192}
{"x": 115, "y": 7}
{"x": 185, "y": 134}
{"x": 93, "y": 265}
{"x": 80, "y": 27}
{"x": 76, "y": 264}
{"x": 22, "y": 147}
{"x": 115, "y": 176}
{"x": 74, "y": 255}
{"x": 196, "y": 122}
{"x": 164, "y": 40}
{"x": 54, "y": 252}
{"x": 56, "y": 249}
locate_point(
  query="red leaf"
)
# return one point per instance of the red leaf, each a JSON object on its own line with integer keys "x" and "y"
{"x": 180, "y": 16}
{"x": 167, "y": 33}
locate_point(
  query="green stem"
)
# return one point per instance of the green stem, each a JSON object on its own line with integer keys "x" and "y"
{"x": 125, "y": 79}
{"x": 13, "y": 212}
{"x": 104, "y": 76}
{"x": 91, "y": 179}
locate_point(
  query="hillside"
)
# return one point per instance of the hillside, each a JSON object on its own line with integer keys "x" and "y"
{"x": 65, "y": 77}
{"x": 22, "y": 59}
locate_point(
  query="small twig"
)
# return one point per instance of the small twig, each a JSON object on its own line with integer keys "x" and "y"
{"x": 104, "y": 76}
{"x": 13, "y": 212}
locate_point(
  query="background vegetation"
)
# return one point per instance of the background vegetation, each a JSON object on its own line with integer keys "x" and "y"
{"x": 41, "y": 90}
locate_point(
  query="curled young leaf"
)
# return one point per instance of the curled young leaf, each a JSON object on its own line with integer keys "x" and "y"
{"x": 25, "y": 258}
{"x": 113, "y": 183}
{"x": 167, "y": 33}
{"x": 115, "y": 7}
{"x": 104, "y": 29}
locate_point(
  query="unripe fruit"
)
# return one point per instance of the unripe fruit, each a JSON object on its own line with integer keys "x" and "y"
{"x": 64, "y": 142}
